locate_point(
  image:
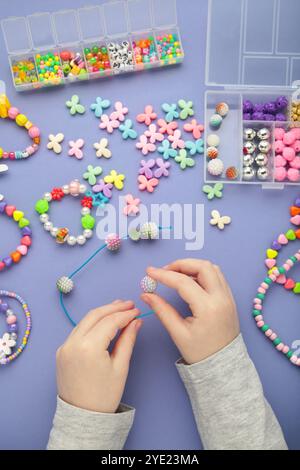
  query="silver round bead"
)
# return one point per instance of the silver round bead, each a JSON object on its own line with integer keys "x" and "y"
{"x": 264, "y": 146}
{"x": 71, "y": 240}
{"x": 248, "y": 160}
{"x": 264, "y": 134}
{"x": 248, "y": 173}
{"x": 48, "y": 197}
{"x": 82, "y": 188}
{"x": 261, "y": 159}
{"x": 54, "y": 231}
{"x": 81, "y": 240}
{"x": 249, "y": 134}
{"x": 9, "y": 312}
{"x": 263, "y": 173}
{"x": 48, "y": 226}
{"x": 44, "y": 218}
{"x": 65, "y": 285}
{"x": 65, "y": 189}
{"x": 87, "y": 233}
{"x": 249, "y": 148}
{"x": 85, "y": 211}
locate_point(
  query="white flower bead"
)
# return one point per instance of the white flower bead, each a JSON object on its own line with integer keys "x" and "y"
{"x": 85, "y": 211}
{"x": 81, "y": 240}
{"x": 65, "y": 189}
{"x": 48, "y": 226}
{"x": 48, "y": 197}
{"x": 88, "y": 233}
{"x": 82, "y": 188}
{"x": 44, "y": 218}
{"x": 71, "y": 240}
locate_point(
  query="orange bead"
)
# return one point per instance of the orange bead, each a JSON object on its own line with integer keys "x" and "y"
{"x": 297, "y": 233}
{"x": 15, "y": 256}
{"x": 294, "y": 211}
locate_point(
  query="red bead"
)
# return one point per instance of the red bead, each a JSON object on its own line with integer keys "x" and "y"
{"x": 12, "y": 155}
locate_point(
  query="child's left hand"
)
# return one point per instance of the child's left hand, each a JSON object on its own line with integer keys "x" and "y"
{"x": 88, "y": 376}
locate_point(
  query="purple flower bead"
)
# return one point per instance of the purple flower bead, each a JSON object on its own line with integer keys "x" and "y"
{"x": 247, "y": 117}
{"x": 280, "y": 117}
{"x": 258, "y": 108}
{"x": 258, "y": 116}
{"x": 269, "y": 117}
{"x": 281, "y": 103}
{"x": 247, "y": 106}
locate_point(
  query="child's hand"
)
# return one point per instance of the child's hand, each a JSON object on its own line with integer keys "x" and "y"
{"x": 214, "y": 321}
{"x": 88, "y": 376}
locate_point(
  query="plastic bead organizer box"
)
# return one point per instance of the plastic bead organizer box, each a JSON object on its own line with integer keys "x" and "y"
{"x": 92, "y": 42}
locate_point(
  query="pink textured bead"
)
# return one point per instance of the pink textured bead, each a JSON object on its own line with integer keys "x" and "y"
{"x": 260, "y": 324}
{"x": 278, "y": 146}
{"x": 280, "y": 174}
{"x": 258, "y": 318}
{"x": 261, "y": 290}
{"x": 286, "y": 267}
{"x": 293, "y": 174}
{"x": 113, "y": 242}
{"x": 295, "y": 163}
{"x": 285, "y": 349}
{"x": 257, "y": 307}
{"x": 296, "y": 132}
{"x": 279, "y": 347}
{"x": 290, "y": 263}
{"x": 296, "y": 146}
{"x": 289, "y": 153}
{"x": 279, "y": 133}
{"x": 273, "y": 336}
{"x": 268, "y": 333}
{"x": 289, "y": 138}
{"x": 257, "y": 301}
{"x": 34, "y": 132}
{"x": 294, "y": 359}
{"x": 11, "y": 319}
{"x": 74, "y": 188}
{"x": 13, "y": 113}
{"x": 280, "y": 161}
{"x": 265, "y": 285}
{"x": 273, "y": 277}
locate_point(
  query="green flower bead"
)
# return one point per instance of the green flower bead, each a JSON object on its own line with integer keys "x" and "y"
{"x": 88, "y": 222}
{"x": 42, "y": 206}
{"x": 23, "y": 222}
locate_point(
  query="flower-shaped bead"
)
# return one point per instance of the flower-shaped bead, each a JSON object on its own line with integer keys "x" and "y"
{"x": 148, "y": 116}
{"x": 116, "y": 179}
{"x": 195, "y": 147}
{"x": 213, "y": 191}
{"x": 195, "y": 128}
{"x": 74, "y": 105}
{"x": 132, "y": 205}
{"x": 108, "y": 124}
{"x": 147, "y": 185}
{"x": 166, "y": 150}
{"x": 183, "y": 160}
{"x": 153, "y": 134}
{"x": 146, "y": 168}
{"x": 127, "y": 131}
{"x": 167, "y": 127}
{"x": 104, "y": 188}
{"x": 99, "y": 200}
{"x": 177, "y": 141}
{"x": 120, "y": 112}
{"x": 87, "y": 202}
{"x": 218, "y": 220}
{"x": 162, "y": 168}
{"x": 55, "y": 141}
{"x": 171, "y": 111}
{"x": 99, "y": 106}
{"x": 91, "y": 174}
{"x": 57, "y": 194}
{"x": 75, "y": 148}
{"x": 102, "y": 149}
{"x": 145, "y": 146}
{"x": 6, "y": 343}
{"x": 186, "y": 109}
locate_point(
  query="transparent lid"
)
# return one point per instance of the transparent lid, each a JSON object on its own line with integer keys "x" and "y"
{"x": 16, "y": 43}
{"x": 2, "y": 87}
{"x": 164, "y": 13}
{"x": 66, "y": 27}
{"x": 139, "y": 15}
{"x": 253, "y": 43}
{"x": 115, "y": 15}
{"x": 91, "y": 23}
{"x": 41, "y": 30}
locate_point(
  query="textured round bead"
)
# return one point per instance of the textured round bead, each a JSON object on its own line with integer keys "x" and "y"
{"x": 148, "y": 285}
{"x": 149, "y": 231}
{"x": 65, "y": 285}
{"x": 215, "y": 167}
{"x": 113, "y": 242}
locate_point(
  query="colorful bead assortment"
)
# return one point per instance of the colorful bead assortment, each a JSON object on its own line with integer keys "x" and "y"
{"x": 24, "y": 71}
{"x": 26, "y": 234}
{"x": 97, "y": 59}
{"x": 121, "y": 55}
{"x": 49, "y": 68}
{"x": 73, "y": 64}
{"x": 269, "y": 111}
{"x": 256, "y": 154}
{"x": 215, "y": 166}
{"x": 145, "y": 53}
{"x": 169, "y": 48}
{"x": 257, "y": 311}
{"x": 287, "y": 154}
{"x": 9, "y": 112}
{"x": 9, "y": 339}
{"x": 62, "y": 235}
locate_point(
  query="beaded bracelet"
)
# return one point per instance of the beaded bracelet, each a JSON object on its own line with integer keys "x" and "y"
{"x": 9, "y": 339}
{"x": 62, "y": 235}
{"x": 257, "y": 311}
{"x": 7, "y": 111}
{"x": 26, "y": 240}
{"x": 148, "y": 231}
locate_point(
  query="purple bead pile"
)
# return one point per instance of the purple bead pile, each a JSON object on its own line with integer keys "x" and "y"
{"x": 269, "y": 111}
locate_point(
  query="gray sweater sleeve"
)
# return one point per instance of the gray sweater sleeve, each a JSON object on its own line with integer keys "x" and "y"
{"x": 228, "y": 402}
{"x": 78, "y": 429}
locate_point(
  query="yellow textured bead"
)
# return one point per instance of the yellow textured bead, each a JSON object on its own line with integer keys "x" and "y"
{"x": 1, "y": 152}
{"x": 21, "y": 120}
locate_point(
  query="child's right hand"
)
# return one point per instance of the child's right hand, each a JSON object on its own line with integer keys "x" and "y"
{"x": 214, "y": 322}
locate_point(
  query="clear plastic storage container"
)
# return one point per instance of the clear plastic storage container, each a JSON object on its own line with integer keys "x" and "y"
{"x": 98, "y": 41}
{"x": 253, "y": 53}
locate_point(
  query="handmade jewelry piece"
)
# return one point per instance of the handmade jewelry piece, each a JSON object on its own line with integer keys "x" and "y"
{"x": 9, "y": 339}
{"x": 62, "y": 235}
{"x": 9, "y": 112}
{"x": 257, "y": 311}
{"x": 26, "y": 235}
{"x": 113, "y": 242}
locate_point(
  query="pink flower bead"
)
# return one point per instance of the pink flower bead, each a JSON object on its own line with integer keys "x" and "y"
{"x": 34, "y": 132}
{"x": 13, "y": 113}
{"x": 293, "y": 174}
{"x": 280, "y": 346}
{"x": 260, "y": 324}
{"x": 279, "y": 133}
{"x": 289, "y": 153}
{"x": 258, "y": 318}
{"x": 11, "y": 320}
{"x": 278, "y": 146}
{"x": 285, "y": 349}
{"x": 289, "y": 138}
{"x": 280, "y": 174}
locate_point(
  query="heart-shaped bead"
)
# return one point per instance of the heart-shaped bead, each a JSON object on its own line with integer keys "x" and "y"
{"x": 275, "y": 245}
{"x": 26, "y": 231}
{"x": 2, "y": 206}
{"x": 10, "y": 210}
{"x": 272, "y": 254}
{"x": 295, "y": 220}
{"x": 26, "y": 241}
{"x": 297, "y": 202}
{"x": 17, "y": 215}
{"x": 15, "y": 256}
{"x": 282, "y": 239}
{"x": 270, "y": 263}
{"x": 2, "y": 265}
{"x": 281, "y": 279}
{"x": 22, "y": 249}
{"x": 290, "y": 284}
{"x": 294, "y": 211}
{"x": 296, "y": 289}
{"x": 297, "y": 233}
{"x": 23, "y": 222}
{"x": 290, "y": 235}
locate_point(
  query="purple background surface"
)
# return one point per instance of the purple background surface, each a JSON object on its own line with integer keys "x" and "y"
{"x": 164, "y": 418}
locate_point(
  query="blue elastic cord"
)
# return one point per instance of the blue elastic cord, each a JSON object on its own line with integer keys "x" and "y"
{"x": 61, "y": 297}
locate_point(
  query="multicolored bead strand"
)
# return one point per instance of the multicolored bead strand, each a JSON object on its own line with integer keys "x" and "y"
{"x": 18, "y": 216}
{"x": 257, "y": 311}
{"x": 10, "y": 112}
{"x": 11, "y": 335}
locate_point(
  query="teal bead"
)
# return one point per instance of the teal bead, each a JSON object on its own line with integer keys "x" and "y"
{"x": 268, "y": 281}
{"x": 265, "y": 328}
{"x": 255, "y": 313}
{"x": 289, "y": 354}
{"x": 281, "y": 270}
{"x": 261, "y": 296}
{"x": 277, "y": 341}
